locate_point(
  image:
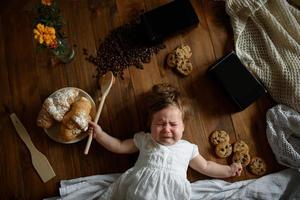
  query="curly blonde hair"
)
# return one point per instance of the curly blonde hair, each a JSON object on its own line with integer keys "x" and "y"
{"x": 163, "y": 95}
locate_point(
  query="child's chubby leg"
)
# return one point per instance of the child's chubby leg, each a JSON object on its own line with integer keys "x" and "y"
{"x": 111, "y": 143}
{"x": 213, "y": 169}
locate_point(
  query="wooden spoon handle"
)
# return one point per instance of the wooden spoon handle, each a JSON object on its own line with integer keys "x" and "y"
{"x": 89, "y": 142}
{"x": 97, "y": 116}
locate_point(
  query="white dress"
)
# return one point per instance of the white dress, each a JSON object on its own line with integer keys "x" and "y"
{"x": 159, "y": 173}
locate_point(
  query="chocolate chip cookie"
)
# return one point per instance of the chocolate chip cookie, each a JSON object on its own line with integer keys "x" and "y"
{"x": 179, "y": 59}
{"x": 219, "y": 136}
{"x": 183, "y": 51}
{"x": 223, "y": 150}
{"x": 257, "y": 166}
{"x": 240, "y": 146}
{"x": 241, "y": 157}
{"x": 185, "y": 68}
{"x": 172, "y": 60}
{"x": 187, "y": 50}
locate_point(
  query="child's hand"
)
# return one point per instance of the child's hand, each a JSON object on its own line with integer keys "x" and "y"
{"x": 96, "y": 129}
{"x": 236, "y": 169}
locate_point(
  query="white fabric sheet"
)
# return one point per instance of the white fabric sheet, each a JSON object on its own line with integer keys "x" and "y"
{"x": 281, "y": 185}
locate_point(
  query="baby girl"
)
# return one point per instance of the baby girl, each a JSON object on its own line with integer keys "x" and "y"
{"x": 164, "y": 157}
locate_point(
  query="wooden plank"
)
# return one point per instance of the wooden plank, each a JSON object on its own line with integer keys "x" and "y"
{"x": 78, "y": 74}
{"x": 103, "y": 18}
{"x": 11, "y": 175}
{"x": 120, "y": 104}
{"x": 219, "y": 39}
{"x": 208, "y": 103}
{"x": 24, "y": 94}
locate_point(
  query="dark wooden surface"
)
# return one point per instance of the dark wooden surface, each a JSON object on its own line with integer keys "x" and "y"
{"x": 27, "y": 79}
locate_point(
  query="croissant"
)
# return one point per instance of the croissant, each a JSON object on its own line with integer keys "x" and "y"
{"x": 69, "y": 134}
{"x": 44, "y": 119}
{"x": 60, "y": 103}
{"x": 54, "y": 108}
{"x": 76, "y": 120}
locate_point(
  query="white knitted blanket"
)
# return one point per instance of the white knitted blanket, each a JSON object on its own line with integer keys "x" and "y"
{"x": 267, "y": 40}
{"x": 283, "y": 133}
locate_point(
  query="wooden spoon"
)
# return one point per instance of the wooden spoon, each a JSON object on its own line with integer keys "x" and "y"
{"x": 105, "y": 83}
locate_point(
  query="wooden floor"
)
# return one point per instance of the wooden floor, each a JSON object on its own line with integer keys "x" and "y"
{"x": 27, "y": 79}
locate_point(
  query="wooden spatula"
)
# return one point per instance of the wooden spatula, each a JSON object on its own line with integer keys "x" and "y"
{"x": 39, "y": 161}
{"x": 105, "y": 83}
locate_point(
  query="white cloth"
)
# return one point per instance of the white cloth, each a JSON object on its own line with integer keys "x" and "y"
{"x": 86, "y": 188}
{"x": 267, "y": 40}
{"x": 283, "y": 133}
{"x": 280, "y": 185}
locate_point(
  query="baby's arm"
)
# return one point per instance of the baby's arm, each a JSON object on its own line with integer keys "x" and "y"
{"x": 111, "y": 143}
{"x": 214, "y": 169}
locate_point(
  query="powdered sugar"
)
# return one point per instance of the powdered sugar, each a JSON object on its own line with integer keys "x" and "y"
{"x": 58, "y": 104}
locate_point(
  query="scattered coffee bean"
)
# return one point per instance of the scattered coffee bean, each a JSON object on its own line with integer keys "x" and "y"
{"x": 122, "y": 48}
